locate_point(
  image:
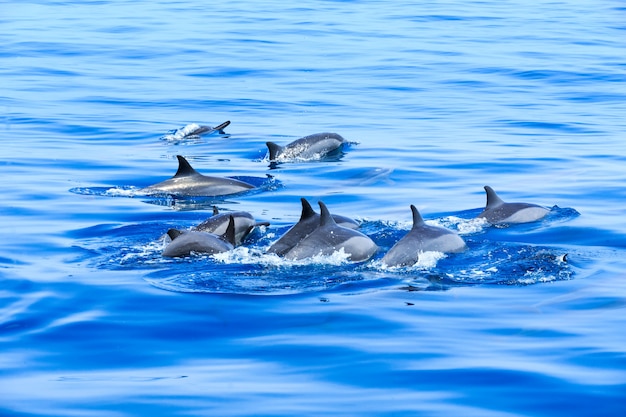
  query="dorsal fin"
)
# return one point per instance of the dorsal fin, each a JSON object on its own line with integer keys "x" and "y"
{"x": 492, "y": 197}
{"x": 274, "y": 149}
{"x": 174, "y": 233}
{"x": 417, "y": 217}
{"x": 229, "y": 234}
{"x": 184, "y": 169}
{"x": 220, "y": 127}
{"x": 215, "y": 211}
{"x": 325, "y": 216}
{"x": 307, "y": 210}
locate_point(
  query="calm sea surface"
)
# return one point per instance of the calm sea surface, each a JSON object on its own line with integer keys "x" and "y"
{"x": 437, "y": 99}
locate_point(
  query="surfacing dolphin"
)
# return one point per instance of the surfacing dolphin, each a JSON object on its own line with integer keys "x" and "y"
{"x": 184, "y": 244}
{"x": 189, "y": 182}
{"x": 329, "y": 238}
{"x": 314, "y": 146}
{"x": 193, "y": 130}
{"x": 309, "y": 221}
{"x": 498, "y": 212}
{"x": 422, "y": 238}
{"x": 218, "y": 223}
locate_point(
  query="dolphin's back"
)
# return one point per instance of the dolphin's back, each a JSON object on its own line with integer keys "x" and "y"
{"x": 217, "y": 224}
{"x": 497, "y": 211}
{"x": 309, "y": 221}
{"x": 193, "y": 241}
{"x": 189, "y": 182}
{"x": 422, "y": 238}
{"x": 316, "y": 145}
{"x": 330, "y": 237}
{"x": 198, "y": 242}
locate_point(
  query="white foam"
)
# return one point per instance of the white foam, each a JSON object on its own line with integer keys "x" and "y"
{"x": 122, "y": 192}
{"x": 426, "y": 260}
{"x": 532, "y": 277}
{"x": 144, "y": 252}
{"x": 462, "y": 226}
{"x": 255, "y": 256}
{"x": 181, "y": 133}
{"x": 471, "y": 226}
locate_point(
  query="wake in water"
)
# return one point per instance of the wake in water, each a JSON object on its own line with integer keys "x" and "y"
{"x": 248, "y": 269}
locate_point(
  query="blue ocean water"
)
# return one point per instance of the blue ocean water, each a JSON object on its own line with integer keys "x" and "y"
{"x": 436, "y": 101}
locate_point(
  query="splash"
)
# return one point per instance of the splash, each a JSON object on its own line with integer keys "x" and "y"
{"x": 256, "y": 256}
{"x": 425, "y": 261}
{"x": 248, "y": 269}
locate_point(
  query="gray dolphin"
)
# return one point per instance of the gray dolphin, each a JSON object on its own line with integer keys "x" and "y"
{"x": 183, "y": 244}
{"x": 497, "y": 211}
{"x": 193, "y": 130}
{"x": 218, "y": 223}
{"x": 329, "y": 237}
{"x": 309, "y": 221}
{"x": 201, "y": 130}
{"x": 316, "y": 145}
{"x": 422, "y": 238}
{"x": 189, "y": 182}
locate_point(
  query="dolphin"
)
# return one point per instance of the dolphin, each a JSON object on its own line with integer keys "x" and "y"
{"x": 329, "y": 237}
{"x": 317, "y": 145}
{"x": 218, "y": 223}
{"x": 309, "y": 221}
{"x": 193, "y": 130}
{"x": 189, "y": 182}
{"x": 498, "y": 212}
{"x": 422, "y": 238}
{"x": 183, "y": 244}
